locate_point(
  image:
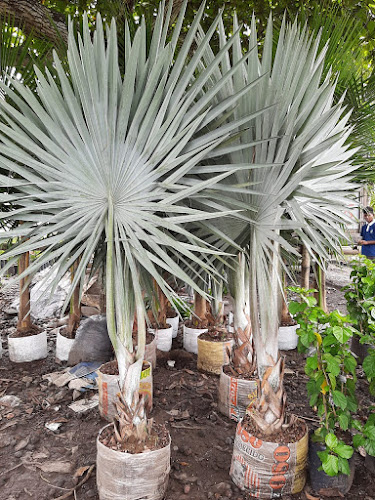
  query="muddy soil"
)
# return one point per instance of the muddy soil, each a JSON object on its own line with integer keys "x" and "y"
{"x": 38, "y": 463}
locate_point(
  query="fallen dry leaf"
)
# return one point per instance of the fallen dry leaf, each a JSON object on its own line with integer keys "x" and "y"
{"x": 184, "y": 415}
{"x": 81, "y": 470}
{"x": 173, "y": 385}
{"x": 310, "y": 497}
{"x": 57, "y": 466}
{"x": 61, "y": 420}
{"x": 8, "y": 424}
{"x": 288, "y": 371}
{"x": 362, "y": 451}
{"x": 197, "y": 384}
{"x": 173, "y": 413}
{"x": 39, "y": 455}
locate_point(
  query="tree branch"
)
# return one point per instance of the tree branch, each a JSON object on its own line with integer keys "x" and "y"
{"x": 36, "y": 18}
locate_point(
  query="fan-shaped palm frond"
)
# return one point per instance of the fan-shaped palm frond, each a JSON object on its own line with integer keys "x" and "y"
{"x": 100, "y": 156}
{"x": 302, "y": 139}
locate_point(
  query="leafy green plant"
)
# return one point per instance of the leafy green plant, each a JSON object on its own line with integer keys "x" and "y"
{"x": 360, "y": 296}
{"x": 369, "y": 364}
{"x": 331, "y": 368}
{"x": 336, "y": 455}
{"x": 366, "y": 436}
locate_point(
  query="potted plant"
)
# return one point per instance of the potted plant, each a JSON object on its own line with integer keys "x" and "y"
{"x": 366, "y": 435}
{"x": 157, "y": 316}
{"x": 288, "y": 338}
{"x": 238, "y": 384}
{"x": 359, "y": 295}
{"x": 208, "y": 336}
{"x": 331, "y": 368}
{"x": 207, "y": 323}
{"x": 27, "y": 343}
{"x": 301, "y": 164}
{"x": 198, "y": 322}
{"x": 104, "y": 156}
{"x": 65, "y": 335}
{"x": 360, "y": 302}
{"x": 214, "y": 347}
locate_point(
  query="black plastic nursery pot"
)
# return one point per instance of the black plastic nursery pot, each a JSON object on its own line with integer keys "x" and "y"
{"x": 370, "y": 463}
{"x": 321, "y": 483}
{"x": 360, "y": 350}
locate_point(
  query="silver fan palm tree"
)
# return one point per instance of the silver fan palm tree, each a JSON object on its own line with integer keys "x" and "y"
{"x": 98, "y": 161}
{"x": 302, "y": 187}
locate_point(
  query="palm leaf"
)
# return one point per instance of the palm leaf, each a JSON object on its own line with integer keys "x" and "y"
{"x": 102, "y": 156}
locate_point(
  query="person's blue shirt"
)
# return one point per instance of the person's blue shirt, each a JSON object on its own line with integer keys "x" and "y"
{"x": 368, "y": 234}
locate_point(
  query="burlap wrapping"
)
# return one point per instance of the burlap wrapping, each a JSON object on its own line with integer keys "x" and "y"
{"x": 212, "y": 356}
{"x": 190, "y": 336}
{"x": 126, "y": 476}
{"x": 30, "y": 348}
{"x": 109, "y": 387}
{"x": 235, "y": 395}
{"x": 268, "y": 470}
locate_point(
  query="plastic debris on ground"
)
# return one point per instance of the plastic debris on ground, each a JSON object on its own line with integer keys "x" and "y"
{"x": 79, "y": 378}
{"x": 83, "y": 405}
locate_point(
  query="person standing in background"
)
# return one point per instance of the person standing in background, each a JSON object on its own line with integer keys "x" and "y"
{"x": 367, "y": 240}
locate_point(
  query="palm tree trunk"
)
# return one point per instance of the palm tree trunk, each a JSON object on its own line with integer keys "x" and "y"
{"x": 24, "y": 318}
{"x": 270, "y": 405}
{"x": 128, "y": 366}
{"x": 320, "y": 286}
{"x": 305, "y": 268}
{"x": 162, "y": 304}
{"x": 200, "y": 306}
{"x": 285, "y": 317}
{"x": 322, "y": 292}
{"x": 75, "y": 306}
{"x": 217, "y": 303}
{"x": 34, "y": 17}
{"x": 238, "y": 281}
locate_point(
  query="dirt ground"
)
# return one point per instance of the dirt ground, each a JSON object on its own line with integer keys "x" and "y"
{"x": 38, "y": 463}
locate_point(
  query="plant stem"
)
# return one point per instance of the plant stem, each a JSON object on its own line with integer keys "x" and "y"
{"x": 75, "y": 309}
{"x": 109, "y": 282}
{"x": 305, "y": 268}
{"x": 24, "y": 318}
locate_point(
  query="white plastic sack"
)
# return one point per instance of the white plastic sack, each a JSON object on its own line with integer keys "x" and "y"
{"x": 30, "y": 348}
{"x": 288, "y": 338}
{"x": 190, "y": 336}
{"x": 42, "y": 304}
